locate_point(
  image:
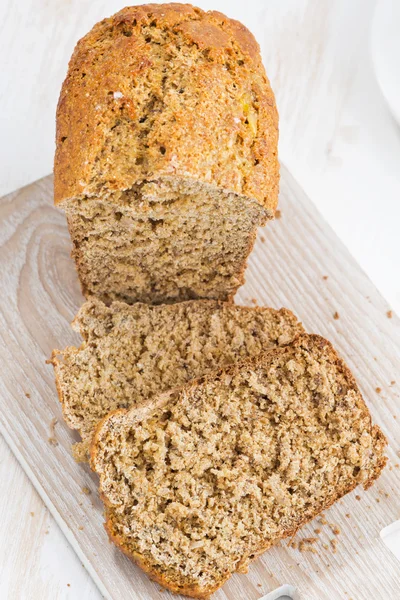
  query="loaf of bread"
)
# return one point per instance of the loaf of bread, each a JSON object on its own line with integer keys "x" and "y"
{"x": 200, "y": 481}
{"x": 131, "y": 353}
{"x": 166, "y": 154}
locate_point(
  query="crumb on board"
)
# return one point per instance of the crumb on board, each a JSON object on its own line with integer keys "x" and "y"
{"x": 80, "y": 527}
{"x": 68, "y": 585}
{"x": 389, "y": 314}
{"x": 325, "y": 277}
{"x": 378, "y": 499}
{"x": 317, "y": 531}
{"x": 335, "y": 529}
{"x": 278, "y": 214}
{"x": 358, "y": 497}
{"x": 52, "y": 438}
{"x": 334, "y": 545}
{"x": 259, "y": 584}
{"x": 392, "y": 382}
{"x": 86, "y": 491}
{"x": 348, "y": 515}
{"x": 336, "y": 315}
{"x": 378, "y": 390}
{"x": 32, "y": 514}
{"x": 254, "y": 300}
{"x": 27, "y": 394}
{"x": 322, "y": 520}
{"x": 262, "y": 238}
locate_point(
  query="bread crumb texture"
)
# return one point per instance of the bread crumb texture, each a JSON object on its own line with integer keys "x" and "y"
{"x": 166, "y": 154}
{"x": 132, "y": 353}
{"x": 202, "y": 480}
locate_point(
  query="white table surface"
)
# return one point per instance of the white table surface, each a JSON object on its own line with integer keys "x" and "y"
{"x": 337, "y": 138}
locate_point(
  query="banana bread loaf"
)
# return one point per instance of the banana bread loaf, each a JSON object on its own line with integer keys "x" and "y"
{"x": 200, "y": 481}
{"x": 131, "y": 353}
{"x": 166, "y": 154}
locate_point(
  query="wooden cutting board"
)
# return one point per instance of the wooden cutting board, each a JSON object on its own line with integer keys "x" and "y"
{"x": 298, "y": 262}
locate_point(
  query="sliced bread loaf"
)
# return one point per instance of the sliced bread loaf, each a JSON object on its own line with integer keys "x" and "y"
{"x": 202, "y": 480}
{"x": 166, "y": 157}
{"x": 131, "y": 353}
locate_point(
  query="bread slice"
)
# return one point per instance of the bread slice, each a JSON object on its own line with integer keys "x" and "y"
{"x": 202, "y": 480}
{"x": 166, "y": 154}
{"x": 131, "y": 353}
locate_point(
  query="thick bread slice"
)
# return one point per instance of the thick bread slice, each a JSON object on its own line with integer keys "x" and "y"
{"x": 166, "y": 154}
{"x": 131, "y": 353}
{"x": 202, "y": 480}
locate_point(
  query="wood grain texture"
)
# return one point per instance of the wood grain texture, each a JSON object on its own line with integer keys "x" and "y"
{"x": 286, "y": 269}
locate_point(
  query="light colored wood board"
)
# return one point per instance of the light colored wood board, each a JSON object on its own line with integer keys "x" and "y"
{"x": 41, "y": 296}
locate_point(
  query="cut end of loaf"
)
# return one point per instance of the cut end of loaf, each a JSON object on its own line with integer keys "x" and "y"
{"x": 204, "y": 479}
{"x": 163, "y": 241}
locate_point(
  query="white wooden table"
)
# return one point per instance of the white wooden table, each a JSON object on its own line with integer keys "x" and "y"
{"x": 337, "y": 138}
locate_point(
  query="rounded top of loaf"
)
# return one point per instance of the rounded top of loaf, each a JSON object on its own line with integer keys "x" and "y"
{"x": 167, "y": 91}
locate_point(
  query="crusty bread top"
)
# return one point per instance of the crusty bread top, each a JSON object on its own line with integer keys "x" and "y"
{"x": 167, "y": 90}
{"x": 201, "y": 480}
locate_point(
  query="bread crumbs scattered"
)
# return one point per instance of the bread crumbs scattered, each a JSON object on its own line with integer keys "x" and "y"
{"x": 348, "y": 515}
{"x": 254, "y": 300}
{"x": 358, "y": 497}
{"x": 334, "y": 545}
{"x": 259, "y": 584}
{"x": 389, "y": 314}
{"x": 85, "y": 490}
{"x": 317, "y": 531}
{"x": 278, "y": 214}
{"x": 325, "y": 277}
{"x": 378, "y": 499}
{"x": 306, "y": 546}
{"x": 32, "y": 514}
{"x": 378, "y": 390}
{"x": 27, "y": 394}
{"x": 392, "y": 382}
{"x": 80, "y": 528}
{"x": 336, "y": 315}
{"x": 68, "y": 585}
{"x": 262, "y": 238}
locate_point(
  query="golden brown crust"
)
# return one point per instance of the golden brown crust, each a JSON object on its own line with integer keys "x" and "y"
{"x": 87, "y": 110}
{"x": 304, "y": 341}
